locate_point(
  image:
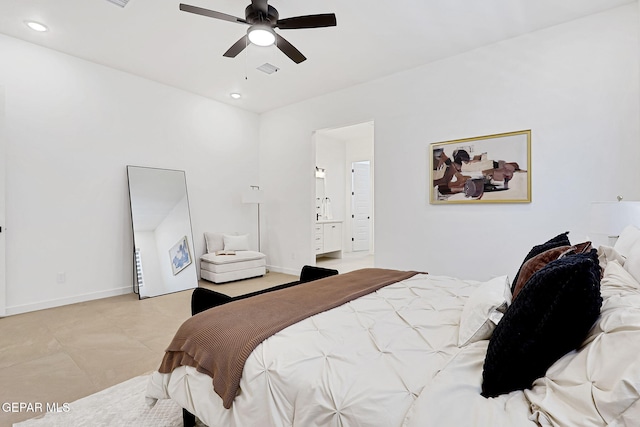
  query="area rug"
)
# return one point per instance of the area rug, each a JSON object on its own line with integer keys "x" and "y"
{"x": 122, "y": 405}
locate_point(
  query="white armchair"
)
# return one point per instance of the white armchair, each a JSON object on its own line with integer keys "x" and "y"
{"x": 228, "y": 258}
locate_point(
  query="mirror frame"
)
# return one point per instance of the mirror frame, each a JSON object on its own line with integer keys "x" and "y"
{"x": 177, "y": 271}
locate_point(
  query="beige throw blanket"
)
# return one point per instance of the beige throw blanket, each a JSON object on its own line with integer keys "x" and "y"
{"x": 217, "y": 342}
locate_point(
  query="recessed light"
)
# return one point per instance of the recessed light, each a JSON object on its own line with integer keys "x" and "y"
{"x": 36, "y": 26}
{"x": 236, "y": 95}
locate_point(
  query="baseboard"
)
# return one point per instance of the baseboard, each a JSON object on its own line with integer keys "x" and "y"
{"x": 41, "y": 305}
{"x": 283, "y": 270}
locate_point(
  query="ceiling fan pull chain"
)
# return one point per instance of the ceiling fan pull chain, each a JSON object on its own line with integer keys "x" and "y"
{"x": 246, "y": 62}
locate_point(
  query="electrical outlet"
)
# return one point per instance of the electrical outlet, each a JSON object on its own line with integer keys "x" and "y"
{"x": 61, "y": 277}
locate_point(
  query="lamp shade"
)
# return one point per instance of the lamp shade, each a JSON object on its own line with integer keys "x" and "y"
{"x": 610, "y": 218}
{"x": 253, "y": 195}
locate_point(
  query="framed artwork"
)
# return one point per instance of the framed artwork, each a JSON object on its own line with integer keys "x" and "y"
{"x": 483, "y": 169}
{"x": 180, "y": 256}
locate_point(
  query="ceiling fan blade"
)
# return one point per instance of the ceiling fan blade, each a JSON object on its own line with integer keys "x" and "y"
{"x": 288, "y": 49}
{"x": 237, "y": 47}
{"x": 308, "y": 21}
{"x": 211, "y": 13}
{"x": 261, "y": 6}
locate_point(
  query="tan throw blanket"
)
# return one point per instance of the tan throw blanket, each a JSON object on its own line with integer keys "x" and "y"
{"x": 218, "y": 342}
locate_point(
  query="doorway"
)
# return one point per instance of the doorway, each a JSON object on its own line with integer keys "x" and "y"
{"x": 345, "y": 157}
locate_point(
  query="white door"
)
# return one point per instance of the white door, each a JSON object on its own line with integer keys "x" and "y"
{"x": 361, "y": 205}
{"x": 3, "y": 293}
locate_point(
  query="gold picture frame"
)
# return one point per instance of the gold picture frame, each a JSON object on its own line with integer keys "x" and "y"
{"x": 484, "y": 169}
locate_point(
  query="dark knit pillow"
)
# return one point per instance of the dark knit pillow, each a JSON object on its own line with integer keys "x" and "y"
{"x": 559, "y": 240}
{"x": 551, "y": 316}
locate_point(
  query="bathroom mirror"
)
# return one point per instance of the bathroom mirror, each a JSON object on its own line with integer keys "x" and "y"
{"x": 162, "y": 237}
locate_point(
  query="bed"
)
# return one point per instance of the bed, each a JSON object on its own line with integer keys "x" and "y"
{"x": 425, "y": 350}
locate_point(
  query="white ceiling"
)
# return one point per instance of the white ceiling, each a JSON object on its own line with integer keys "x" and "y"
{"x": 351, "y": 132}
{"x": 155, "y": 40}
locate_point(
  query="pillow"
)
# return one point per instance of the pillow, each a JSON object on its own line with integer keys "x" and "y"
{"x": 214, "y": 242}
{"x": 606, "y": 254}
{"x": 483, "y": 310}
{"x": 617, "y": 281}
{"x": 236, "y": 243}
{"x": 536, "y": 263}
{"x": 559, "y": 240}
{"x": 632, "y": 263}
{"x": 551, "y": 316}
{"x": 540, "y": 260}
{"x": 629, "y": 236}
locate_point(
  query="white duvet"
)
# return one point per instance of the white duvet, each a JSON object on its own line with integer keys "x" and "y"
{"x": 391, "y": 358}
{"x": 387, "y": 359}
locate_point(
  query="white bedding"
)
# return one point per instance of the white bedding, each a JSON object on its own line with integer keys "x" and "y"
{"x": 361, "y": 364}
{"x": 391, "y": 358}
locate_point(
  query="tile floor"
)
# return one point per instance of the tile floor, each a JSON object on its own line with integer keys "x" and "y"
{"x": 61, "y": 354}
{"x": 350, "y": 261}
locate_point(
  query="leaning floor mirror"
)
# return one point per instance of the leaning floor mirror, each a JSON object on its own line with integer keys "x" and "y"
{"x": 162, "y": 237}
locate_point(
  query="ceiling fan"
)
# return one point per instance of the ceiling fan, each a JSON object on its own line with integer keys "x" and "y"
{"x": 262, "y": 19}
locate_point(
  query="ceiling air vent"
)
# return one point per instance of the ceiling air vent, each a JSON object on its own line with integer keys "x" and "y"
{"x": 121, "y": 3}
{"x": 268, "y": 68}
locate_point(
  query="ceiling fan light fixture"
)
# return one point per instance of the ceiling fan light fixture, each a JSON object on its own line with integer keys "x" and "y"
{"x": 262, "y": 35}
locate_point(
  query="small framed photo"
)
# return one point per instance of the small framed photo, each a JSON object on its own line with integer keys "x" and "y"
{"x": 180, "y": 256}
{"x": 483, "y": 169}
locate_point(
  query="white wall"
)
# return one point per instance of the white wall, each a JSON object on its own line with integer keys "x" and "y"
{"x": 574, "y": 85}
{"x": 2, "y": 205}
{"x": 72, "y": 127}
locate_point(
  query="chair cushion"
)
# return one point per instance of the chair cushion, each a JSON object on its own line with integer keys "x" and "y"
{"x": 236, "y": 243}
{"x": 240, "y": 256}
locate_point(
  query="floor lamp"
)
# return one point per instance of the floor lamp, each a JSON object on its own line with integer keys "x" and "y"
{"x": 254, "y": 196}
